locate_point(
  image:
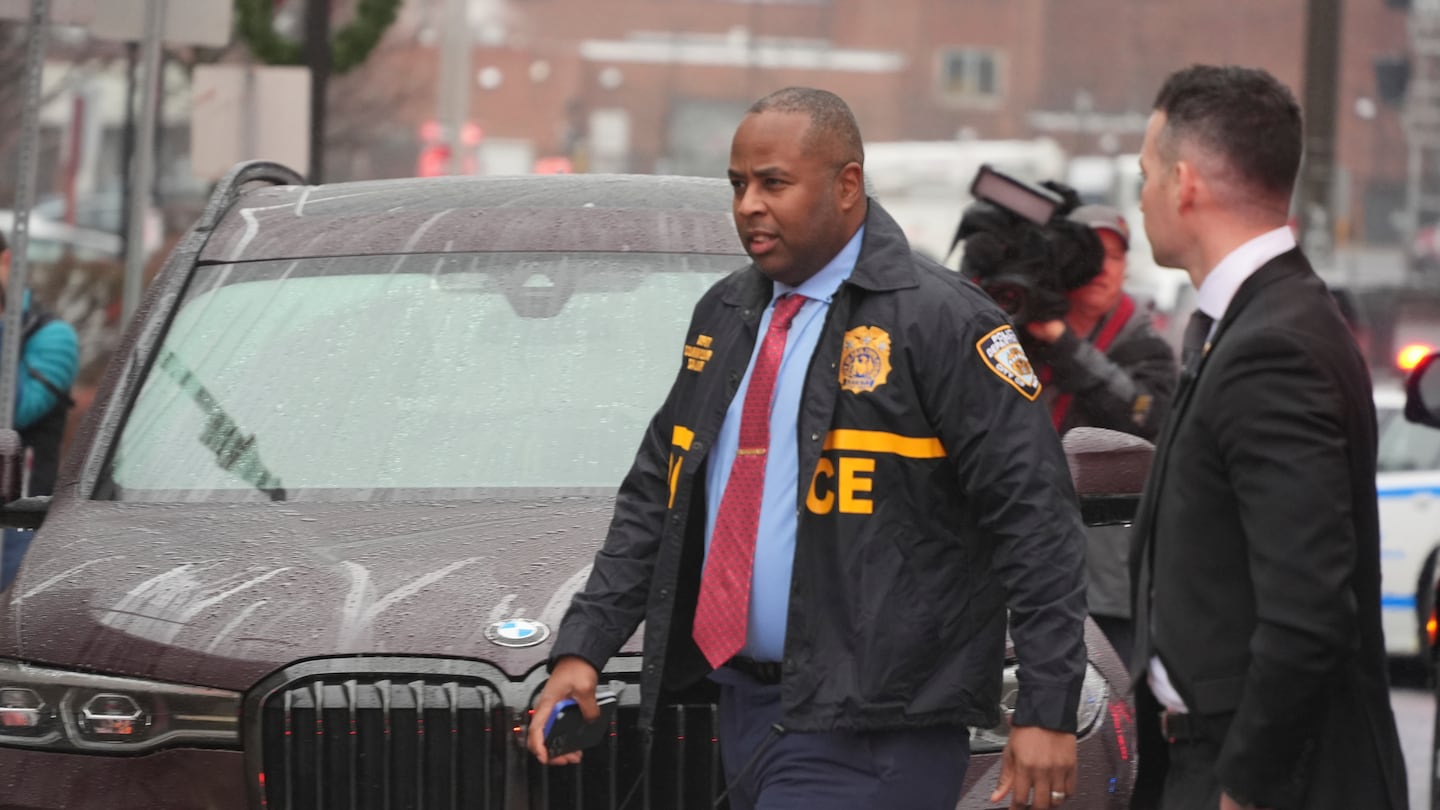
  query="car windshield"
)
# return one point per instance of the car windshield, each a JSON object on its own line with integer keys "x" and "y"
{"x": 424, "y": 376}
{"x": 1404, "y": 445}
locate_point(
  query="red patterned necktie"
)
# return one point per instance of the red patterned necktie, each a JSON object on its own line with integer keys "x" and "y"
{"x": 722, "y": 612}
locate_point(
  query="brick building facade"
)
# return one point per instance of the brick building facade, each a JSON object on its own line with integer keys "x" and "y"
{"x": 657, "y": 85}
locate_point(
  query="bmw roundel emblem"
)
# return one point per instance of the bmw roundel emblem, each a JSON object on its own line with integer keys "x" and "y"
{"x": 517, "y": 633}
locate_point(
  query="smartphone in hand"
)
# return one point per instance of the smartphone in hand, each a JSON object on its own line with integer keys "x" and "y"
{"x": 567, "y": 731}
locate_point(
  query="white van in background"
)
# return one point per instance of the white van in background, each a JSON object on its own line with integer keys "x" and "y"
{"x": 925, "y": 185}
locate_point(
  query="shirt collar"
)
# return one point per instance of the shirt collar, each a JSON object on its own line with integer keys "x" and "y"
{"x": 1224, "y": 281}
{"x": 822, "y": 285}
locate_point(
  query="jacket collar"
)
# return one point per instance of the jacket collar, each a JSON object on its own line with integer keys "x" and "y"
{"x": 1225, "y": 278}
{"x": 1287, "y": 264}
{"x": 884, "y": 264}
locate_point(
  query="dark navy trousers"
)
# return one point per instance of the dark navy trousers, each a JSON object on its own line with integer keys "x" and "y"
{"x": 913, "y": 769}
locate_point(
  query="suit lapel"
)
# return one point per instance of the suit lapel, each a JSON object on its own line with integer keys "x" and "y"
{"x": 1285, "y": 265}
{"x": 1288, "y": 264}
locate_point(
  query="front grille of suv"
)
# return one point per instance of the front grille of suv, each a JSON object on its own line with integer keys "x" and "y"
{"x": 384, "y": 733}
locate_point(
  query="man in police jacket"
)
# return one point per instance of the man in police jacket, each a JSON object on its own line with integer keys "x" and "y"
{"x": 830, "y": 515}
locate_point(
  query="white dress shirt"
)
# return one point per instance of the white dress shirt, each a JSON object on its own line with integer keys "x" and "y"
{"x": 1213, "y": 299}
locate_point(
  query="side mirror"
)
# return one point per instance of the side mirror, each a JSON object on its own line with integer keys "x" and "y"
{"x": 1109, "y": 469}
{"x": 1422, "y": 392}
{"x": 17, "y": 512}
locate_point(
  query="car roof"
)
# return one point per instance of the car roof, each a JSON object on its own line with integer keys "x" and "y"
{"x": 643, "y": 213}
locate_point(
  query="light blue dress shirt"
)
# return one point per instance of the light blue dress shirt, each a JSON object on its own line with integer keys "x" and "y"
{"x": 775, "y": 543}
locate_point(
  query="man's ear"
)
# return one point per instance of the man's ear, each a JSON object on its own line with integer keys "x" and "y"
{"x": 1187, "y": 185}
{"x": 850, "y": 186}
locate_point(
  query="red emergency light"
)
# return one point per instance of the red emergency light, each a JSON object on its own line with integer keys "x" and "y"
{"x": 1410, "y": 356}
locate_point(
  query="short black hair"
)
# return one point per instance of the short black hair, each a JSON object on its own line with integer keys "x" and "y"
{"x": 830, "y": 120}
{"x": 1243, "y": 115}
{"x": 4, "y": 245}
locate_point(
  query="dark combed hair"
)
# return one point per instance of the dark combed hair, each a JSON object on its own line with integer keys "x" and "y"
{"x": 830, "y": 118}
{"x": 1243, "y": 115}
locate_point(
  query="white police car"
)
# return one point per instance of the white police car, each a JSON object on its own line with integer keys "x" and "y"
{"x": 1408, "y": 484}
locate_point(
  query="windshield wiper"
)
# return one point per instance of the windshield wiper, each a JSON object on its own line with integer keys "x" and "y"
{"x": 234, "y": 451}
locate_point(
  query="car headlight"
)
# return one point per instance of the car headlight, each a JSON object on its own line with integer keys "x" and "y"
{"x": 1093, "y": 695}
{"x": 59, "y": 710}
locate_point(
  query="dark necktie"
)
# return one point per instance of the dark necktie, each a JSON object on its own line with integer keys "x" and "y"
{"x": 1192, "y": 345}
{"x": 722, "y": 612}
{"x": 1192, "y": 350}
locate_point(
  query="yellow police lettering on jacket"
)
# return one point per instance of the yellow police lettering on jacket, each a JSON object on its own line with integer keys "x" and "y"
{"x": 847, "y": 480}
{"x": 698, "y": 355}
{"x": 680, "y": 437}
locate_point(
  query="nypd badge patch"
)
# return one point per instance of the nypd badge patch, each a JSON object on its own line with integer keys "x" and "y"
{"x": 1002, "y": 352}
{"x": 864, "y": 359}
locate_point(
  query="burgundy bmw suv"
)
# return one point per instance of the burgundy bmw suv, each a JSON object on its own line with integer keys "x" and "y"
{"x": 353, "y": 458}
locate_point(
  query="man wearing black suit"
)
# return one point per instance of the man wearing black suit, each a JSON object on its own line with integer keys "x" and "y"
{"x": 1259, "y": 661}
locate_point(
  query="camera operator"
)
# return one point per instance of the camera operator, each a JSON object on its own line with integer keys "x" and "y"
{"x": 1100, "y": 362}
{"x": 1105, "y": 365}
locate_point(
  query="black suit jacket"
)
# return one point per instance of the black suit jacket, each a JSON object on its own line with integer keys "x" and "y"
{"x": 1258, "y": 539}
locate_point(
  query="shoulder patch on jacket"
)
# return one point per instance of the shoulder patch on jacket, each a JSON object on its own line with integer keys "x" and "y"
{"x": 1003, "y": 354}
{"x": 864, "y": 359}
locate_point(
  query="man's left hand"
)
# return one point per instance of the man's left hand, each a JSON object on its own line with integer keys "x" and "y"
{"x": 1046, "y": 331}
{"x": 1227, "y": 803}
{"x": 1039, "y": 761}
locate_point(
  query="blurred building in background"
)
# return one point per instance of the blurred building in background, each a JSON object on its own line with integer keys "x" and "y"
{"x": 1044, "y": 88}
{"x": 652, "y": 86}
{"x": 657, "y": 85}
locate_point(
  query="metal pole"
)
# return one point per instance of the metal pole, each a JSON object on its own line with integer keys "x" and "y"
{"x": 1322, "y": 81}
{"x": 455, "y": 78}
{"x": 127, "y": 143}
{"x": 24, "y": 195}
{"x": 142, "y": 162}
{"x": 74, "y": 148}
{"x": 317, "y": 56}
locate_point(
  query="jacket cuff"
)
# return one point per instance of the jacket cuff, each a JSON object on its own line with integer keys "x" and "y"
{"x": 1253, "y": 783}
{"x": 1047, "y": 706}
{"x": 581, "y": 642}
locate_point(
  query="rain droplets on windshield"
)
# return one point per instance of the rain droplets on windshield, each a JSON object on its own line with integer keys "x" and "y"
{"x": 362, "y": 377}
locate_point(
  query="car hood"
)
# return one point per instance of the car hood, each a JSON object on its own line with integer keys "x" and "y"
{"x": 222, "y": 594}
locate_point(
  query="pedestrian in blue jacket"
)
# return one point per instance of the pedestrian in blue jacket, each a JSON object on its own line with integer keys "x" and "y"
{"x": 49, "y": 359}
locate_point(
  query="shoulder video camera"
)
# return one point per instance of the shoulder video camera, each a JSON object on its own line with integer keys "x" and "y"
{"x": 1021, "y": 248}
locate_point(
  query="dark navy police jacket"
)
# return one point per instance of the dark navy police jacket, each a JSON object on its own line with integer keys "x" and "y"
{"x": 933, "y": 495}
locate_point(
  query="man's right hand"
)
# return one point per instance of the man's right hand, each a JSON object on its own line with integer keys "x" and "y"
{"x": 572, "y": 677}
